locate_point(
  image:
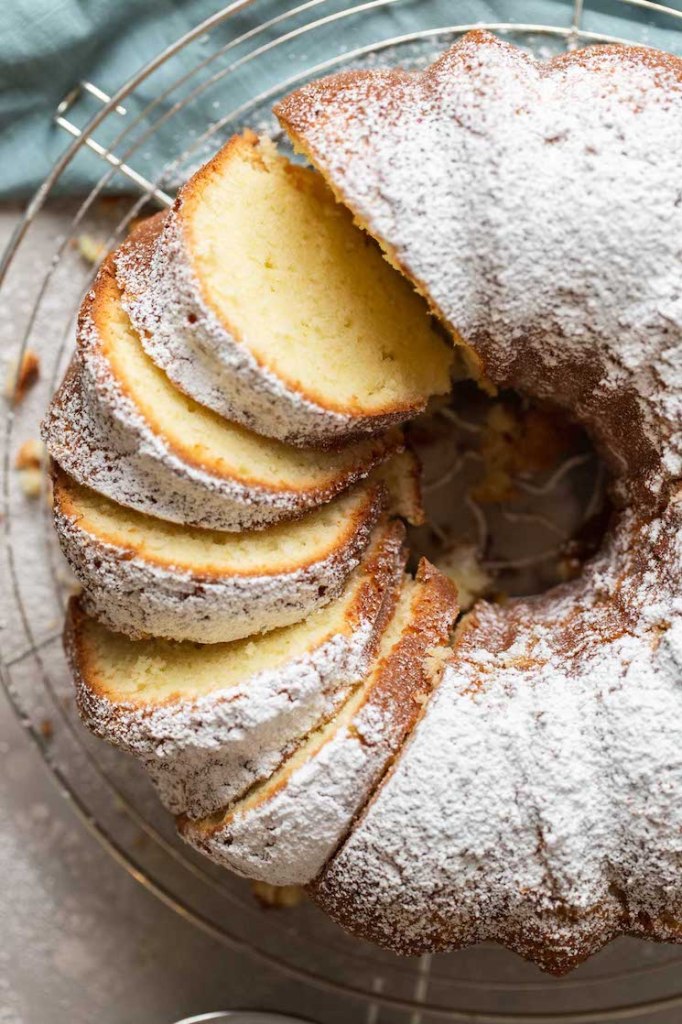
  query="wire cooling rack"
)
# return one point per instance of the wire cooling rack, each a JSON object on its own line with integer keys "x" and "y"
{"x": 224, "y": 74}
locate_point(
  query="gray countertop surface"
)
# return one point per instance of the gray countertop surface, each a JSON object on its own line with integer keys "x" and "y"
{"x": 82, "y": 941}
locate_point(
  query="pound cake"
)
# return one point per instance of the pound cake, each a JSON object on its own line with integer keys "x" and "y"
{"x": 521, "y": 780}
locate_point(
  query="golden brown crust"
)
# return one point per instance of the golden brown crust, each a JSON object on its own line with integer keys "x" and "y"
{"x": 403, "y": 683}
{"x": 595, "y": 926}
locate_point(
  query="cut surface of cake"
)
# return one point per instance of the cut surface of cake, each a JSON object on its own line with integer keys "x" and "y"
{"x": 210, "y": 721}
{"x": 287, "y": 827}
{"x": 260, "y": 297}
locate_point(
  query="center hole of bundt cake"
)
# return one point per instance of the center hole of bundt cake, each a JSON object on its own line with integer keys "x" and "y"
{"x": 515, "y": 493}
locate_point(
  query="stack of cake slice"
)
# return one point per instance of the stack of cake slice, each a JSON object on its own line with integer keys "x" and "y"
{"x": 229, "y": 480}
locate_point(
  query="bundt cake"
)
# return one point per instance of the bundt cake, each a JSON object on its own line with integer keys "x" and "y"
{"x": 209, "y": 722}
{"x": 146, "y": 577}
{"x": 119, "y": 426}
{"x": 519, "y": 780}
{"x": 260, "y": 299}
{"x": 284, "y": 830}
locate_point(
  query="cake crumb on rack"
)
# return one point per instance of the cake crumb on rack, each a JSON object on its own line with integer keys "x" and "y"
{"x": 90, "y": 249}
{"x": 31, "y": 482}
{"x": 29, "y": 463}
{"x": 31, "y": 455}
{"x": 278, "y": 896}
{"x": 47, "y": 729}
{"x": 22, "y": 374}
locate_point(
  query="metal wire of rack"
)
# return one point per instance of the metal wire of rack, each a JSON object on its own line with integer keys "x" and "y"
{"x": 629, "y": 980}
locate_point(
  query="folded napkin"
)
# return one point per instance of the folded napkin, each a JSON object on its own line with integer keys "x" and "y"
{"x": 48, "y": 46}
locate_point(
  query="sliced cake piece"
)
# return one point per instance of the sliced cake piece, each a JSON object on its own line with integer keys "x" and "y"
{"x": 262, "y": 300}
{"x": 146, "y": 577}
{"x": 402, "y": 476}
{"x": 286, "y": 828}
{"x": 143, "y": 576}
{"x": 210, "y": 721}
{"x": 119, "y": 426}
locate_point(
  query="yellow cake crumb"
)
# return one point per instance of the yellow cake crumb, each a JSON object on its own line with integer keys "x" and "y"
{"x": 31, "y": 481}
{"x": 91, "y": 249}
{"x": 22, "y": 374}
{"x": 31, "y": 455}
{"x": 278, "y": 896}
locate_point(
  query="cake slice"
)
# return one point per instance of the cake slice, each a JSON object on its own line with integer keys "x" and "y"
{"x": 262, "y": 300}
{"x": 119, "y": 426}
{"x": 210, "y": 721}
{"x": 143, "y": 576}
{"x": 286, "y": 828}
{"x": 146, "y": 577}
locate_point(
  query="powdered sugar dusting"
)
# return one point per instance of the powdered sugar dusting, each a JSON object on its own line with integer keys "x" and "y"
{"x": 286, "y": 836}
{"x": 538, "y": 207}
{"x": 538, "y": 803}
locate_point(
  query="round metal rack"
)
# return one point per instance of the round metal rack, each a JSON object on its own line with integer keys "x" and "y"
{"x": 221, "y": 76}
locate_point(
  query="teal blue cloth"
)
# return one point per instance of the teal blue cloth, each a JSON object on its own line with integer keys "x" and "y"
{"x": 47, "y": 46}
